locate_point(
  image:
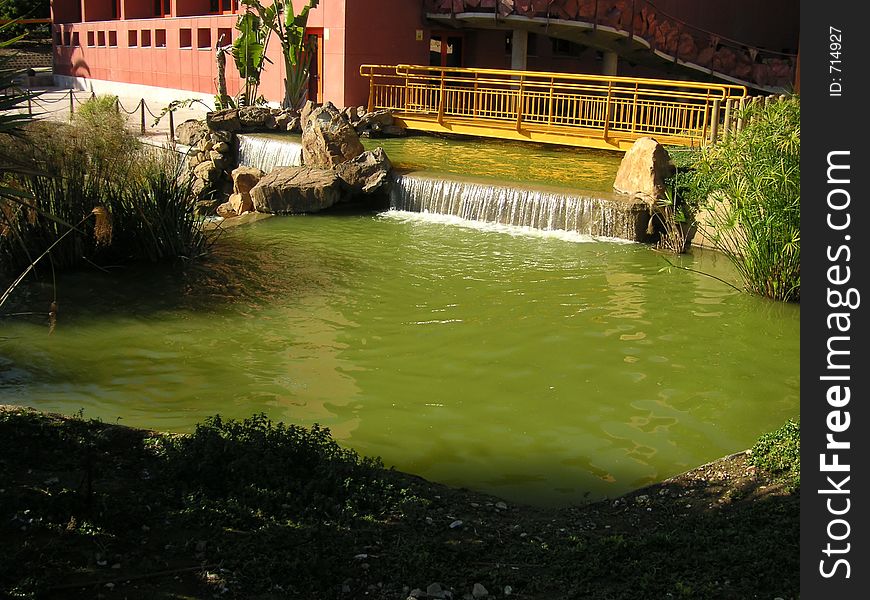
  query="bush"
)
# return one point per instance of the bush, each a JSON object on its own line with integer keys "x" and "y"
{"x": 124, "y": 200}
{"x": 779, "y": 452}
{"x": 753, "y": 186}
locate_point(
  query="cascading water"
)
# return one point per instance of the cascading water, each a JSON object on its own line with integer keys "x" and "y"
{"x": 267, "y": 153}
{"x": 597, "y": 214}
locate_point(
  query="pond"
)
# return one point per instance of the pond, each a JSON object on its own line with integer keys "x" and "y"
{"x": 542, "y": 367}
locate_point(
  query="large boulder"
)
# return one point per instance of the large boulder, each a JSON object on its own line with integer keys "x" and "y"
{"x": 367, "y": 172}
{"x": 245, "y": 178}
{"x": 190, "y": 132}
{"x": 643, "y": 170}
{"x": 224, "y": 120}
{"x": 308, "y": 108}
{"x": 379, "y": 118}
{"x": 254, "y": 117}
{"x": 295, "y": 190}
{"x": 328, "y": 140}
{"x": 241, "y": 203}
{"x": 207, "y": 171}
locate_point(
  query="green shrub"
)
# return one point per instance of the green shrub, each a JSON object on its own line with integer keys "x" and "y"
{"x": 752, "y": 183}
{"x": 260, "y": 466}
{"x": 779, "y": 452}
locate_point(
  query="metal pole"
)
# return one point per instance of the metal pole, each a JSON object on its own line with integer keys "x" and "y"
{"x": 171, "y": 127}
{"x": 142, "y": 119}
{"x": 29, "y": 104}
{"x": 71, "y": 107}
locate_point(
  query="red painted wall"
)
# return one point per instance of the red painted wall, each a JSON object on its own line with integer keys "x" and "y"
{"x": 64, "y": 11}
{"x": 381, "y": 32}
{"x": 97, "y": 10}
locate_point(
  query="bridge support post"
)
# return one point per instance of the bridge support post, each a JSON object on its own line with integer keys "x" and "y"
{"x": 519, "y": 49}
{"x": 610, "y": 63}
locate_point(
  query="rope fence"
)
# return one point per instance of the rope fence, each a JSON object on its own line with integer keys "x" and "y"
{"x": 38, "y": 104}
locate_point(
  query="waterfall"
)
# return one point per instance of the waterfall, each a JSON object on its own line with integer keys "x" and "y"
{"x": 268, "y": 152}
{"x": 594, "y": 213}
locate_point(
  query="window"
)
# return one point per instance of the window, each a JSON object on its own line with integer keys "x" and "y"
{"x": 566, "y": 48}
{"x": 113, "y": 38}
{"x": 67, "y": 38}
{"x": 162, "y": 8}
{"x": 132, "y": 38}
{"x": 146, "y": 38}
{"x": 224, "y": 36}
{"x": 75, "y": 38}
{"x": 445, "y": 50}
{"x": 160, "y": 38}
{"x": 90, "y": 38}
{"x": 185, "y": 38}
{"x": 116, "y": 9}
{"x": 203, "y": 38}
{"x": 223, "y": 6}
{"x": 101, "y": 38}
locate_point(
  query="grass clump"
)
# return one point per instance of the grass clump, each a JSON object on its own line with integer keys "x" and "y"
{"x": 779, "y": 452}
{"x": 94, "y": 193}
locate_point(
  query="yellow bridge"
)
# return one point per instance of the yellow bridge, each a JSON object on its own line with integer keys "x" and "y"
{"x": 562, "y": 108}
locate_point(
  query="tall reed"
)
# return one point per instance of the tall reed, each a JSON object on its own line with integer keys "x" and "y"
{"x": 753, "y": 193}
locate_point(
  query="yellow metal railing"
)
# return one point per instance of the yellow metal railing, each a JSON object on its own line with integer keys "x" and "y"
{"x": 584, "y": 110}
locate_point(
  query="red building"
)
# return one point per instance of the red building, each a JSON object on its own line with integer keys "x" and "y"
{"x": 109, "y": 44}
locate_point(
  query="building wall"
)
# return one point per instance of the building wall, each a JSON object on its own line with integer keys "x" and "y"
{"x": 179, "y": 52}
{"x": 771, "y": 24}
{"x": 382, "y": 32}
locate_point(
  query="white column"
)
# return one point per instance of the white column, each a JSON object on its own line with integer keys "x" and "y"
{"x": 609, "y": 63}
{"x": 519, "y": 49}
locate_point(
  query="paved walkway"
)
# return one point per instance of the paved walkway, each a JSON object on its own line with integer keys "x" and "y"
{"x": 54, "y": 103}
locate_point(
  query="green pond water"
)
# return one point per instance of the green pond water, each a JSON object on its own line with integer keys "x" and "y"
{"x": 541, "y": 369}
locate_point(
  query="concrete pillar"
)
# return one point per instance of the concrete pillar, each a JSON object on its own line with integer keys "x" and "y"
{"x": 519, "y": 49}
{"x": 609, "y": 63}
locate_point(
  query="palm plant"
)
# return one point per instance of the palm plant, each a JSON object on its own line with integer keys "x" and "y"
{"x": 292, "y": 34}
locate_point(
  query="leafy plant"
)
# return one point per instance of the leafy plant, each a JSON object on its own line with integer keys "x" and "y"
{"x": 779, "y": 452}
{"x": 291, "y": 32}
{"x": 753, "y": 196}
{"x": 249, "y": 53}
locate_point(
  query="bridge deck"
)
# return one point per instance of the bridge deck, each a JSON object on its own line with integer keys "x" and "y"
{"x": 561, "y": 108}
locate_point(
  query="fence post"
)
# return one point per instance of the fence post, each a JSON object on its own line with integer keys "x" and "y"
{"x": 371, "y": 91}
{"x": 520, "y": 102}
{"x": 29, "y": 104}
{"x": 117, "y": 105}
{"x": 442, "y": 99}
{"x": 741, "y": 118}
{"x": 727, "y": 131}
{"x": 142, "y": 119}
{"x": 171, "y": 127}
{"x": 714, "y": 123}
{"x": 634, "y": 109}
{"x": 71, "y": 106}
{"x": 607, "y": 108}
